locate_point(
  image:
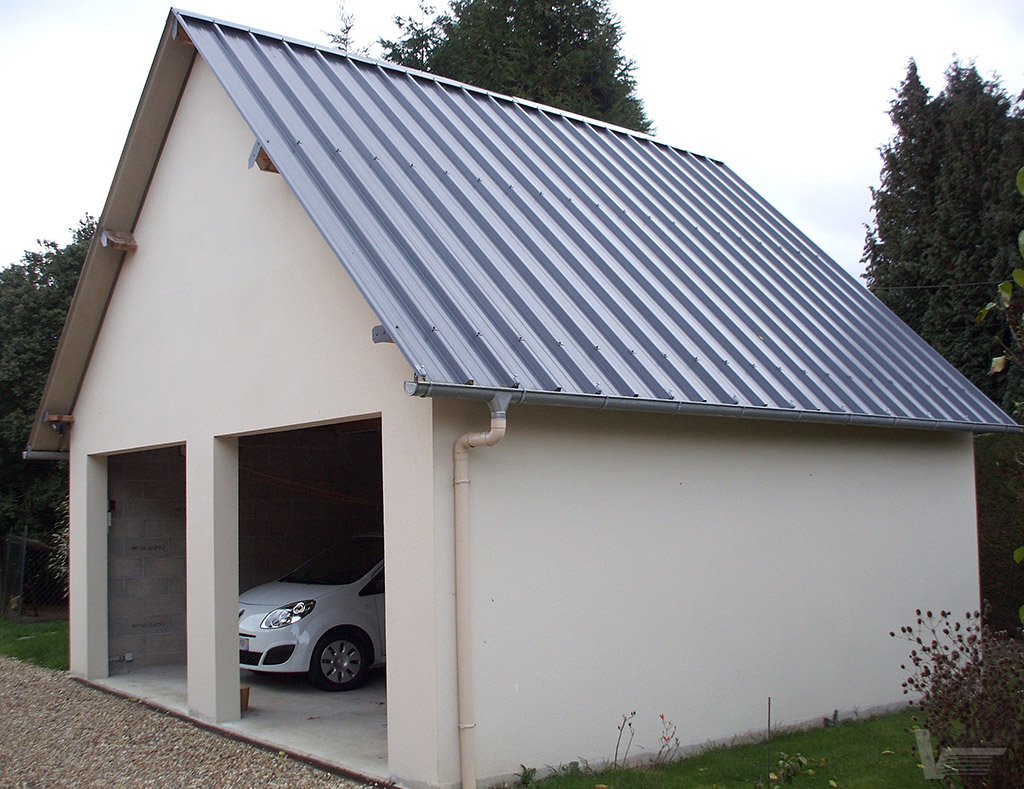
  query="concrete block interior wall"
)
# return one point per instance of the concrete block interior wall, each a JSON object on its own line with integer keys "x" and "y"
{"x": 146, "y": 558}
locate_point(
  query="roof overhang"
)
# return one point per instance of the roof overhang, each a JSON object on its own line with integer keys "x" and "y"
{"x": 160, "y": 96}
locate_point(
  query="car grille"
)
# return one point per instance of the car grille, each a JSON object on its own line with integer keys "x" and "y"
{"x": 249, "y": 658}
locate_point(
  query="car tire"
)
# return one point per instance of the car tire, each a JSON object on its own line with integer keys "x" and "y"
{"x": 341, "y": 660}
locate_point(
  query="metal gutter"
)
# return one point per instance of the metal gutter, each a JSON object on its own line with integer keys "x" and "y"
{"x": 611, "y": 403}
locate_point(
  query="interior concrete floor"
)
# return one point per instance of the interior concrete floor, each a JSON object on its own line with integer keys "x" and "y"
{"x": 344, "y": 730}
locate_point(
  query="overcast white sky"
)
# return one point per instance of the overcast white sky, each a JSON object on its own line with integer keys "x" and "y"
{"x": 791, "y": 95}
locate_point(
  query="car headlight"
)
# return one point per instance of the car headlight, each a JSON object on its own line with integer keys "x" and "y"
{"x": 287, "y": 614}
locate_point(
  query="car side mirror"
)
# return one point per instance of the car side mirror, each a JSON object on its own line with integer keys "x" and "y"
{"x": 375, "y": 586}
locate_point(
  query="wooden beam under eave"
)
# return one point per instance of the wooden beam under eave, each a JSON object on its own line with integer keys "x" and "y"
{"x": 264, "y": 163}
{"x": 182, "y": 36}
{"x": 118, "y": 239}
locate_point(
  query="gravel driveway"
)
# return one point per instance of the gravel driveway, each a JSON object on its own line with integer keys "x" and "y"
{"x": 56, "y": 732}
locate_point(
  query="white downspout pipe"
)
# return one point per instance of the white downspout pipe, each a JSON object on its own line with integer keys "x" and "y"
{"x": 463, "y": 640}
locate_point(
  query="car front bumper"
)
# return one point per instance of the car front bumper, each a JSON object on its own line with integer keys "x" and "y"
{"x": 284, "y": 650}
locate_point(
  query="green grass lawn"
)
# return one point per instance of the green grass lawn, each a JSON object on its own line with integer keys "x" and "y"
{"x": 875, "y": 753}
{"x": 42, "y": 643}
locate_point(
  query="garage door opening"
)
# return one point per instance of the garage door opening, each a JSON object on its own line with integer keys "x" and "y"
{"x": 300, "y": 491}
{"x": 146, "y": 560}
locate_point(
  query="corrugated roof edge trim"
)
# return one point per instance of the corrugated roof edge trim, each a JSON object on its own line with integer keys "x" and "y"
{"x": 610, "y": 403}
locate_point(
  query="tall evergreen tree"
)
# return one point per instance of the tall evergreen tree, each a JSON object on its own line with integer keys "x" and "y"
{"x": 34, "y": 298}
{"x": 946, "y": 214}
{"x": 564, "y": 53}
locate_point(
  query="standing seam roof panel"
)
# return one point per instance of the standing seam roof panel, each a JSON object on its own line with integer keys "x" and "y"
{"x": 486, "y": 262}
{"x": 700, "y": 247}
{"x": 509, "y": 246}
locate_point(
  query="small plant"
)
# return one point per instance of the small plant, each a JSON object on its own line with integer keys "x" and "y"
{"x": 668, "y": 743}
{"x": 573, "y": 770}
{"x": 790, "y": 766}
{"x": 627, "y": 723}
{"x": 793, "y": 765}
{"x": 57, "y": 563}
{"x": 527, "y": 776}
{"x": 969, "y": 683}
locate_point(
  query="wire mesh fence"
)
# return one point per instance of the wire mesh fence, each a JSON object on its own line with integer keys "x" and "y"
{"x": 33, "y": 578}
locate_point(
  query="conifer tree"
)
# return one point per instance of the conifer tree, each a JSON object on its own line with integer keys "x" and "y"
{"x": 945, "y": 217}
{"x": 563, "y": 53}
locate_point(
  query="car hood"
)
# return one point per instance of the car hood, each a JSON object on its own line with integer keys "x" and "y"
{"x": 278, "y": 593}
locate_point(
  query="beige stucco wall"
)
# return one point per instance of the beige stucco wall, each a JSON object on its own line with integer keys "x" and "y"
{"x": 694, "y": 567}
{"x": 233, "y": 317}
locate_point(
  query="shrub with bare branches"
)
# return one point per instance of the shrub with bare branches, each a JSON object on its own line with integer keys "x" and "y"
{"x": 968, "y": 682}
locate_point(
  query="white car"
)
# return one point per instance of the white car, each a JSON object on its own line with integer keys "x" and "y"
{"x": 325, "y": 618}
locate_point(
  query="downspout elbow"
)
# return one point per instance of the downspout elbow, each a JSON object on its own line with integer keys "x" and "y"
{"x": 488, "y": 439}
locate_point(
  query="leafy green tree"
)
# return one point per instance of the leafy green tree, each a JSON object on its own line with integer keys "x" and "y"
{"x": 945, "y": 217}
{"x": 34, "y": 299}
{"x": 999, "y": 482}
{"x": 563, "y": 53}
{"x": 1003, "y": 506}
{"x": 1012, "y": 314}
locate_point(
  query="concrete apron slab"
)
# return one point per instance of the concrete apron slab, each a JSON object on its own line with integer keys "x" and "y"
{"x": 345, "y": 732}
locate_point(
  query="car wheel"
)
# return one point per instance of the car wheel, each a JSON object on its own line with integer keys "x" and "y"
{"x": 341, "y": 660}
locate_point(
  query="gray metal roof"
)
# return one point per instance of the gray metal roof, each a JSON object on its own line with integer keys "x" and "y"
{"x": 507, "y": 246}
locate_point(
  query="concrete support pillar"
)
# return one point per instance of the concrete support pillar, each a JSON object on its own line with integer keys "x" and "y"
{"x": 212, "y": 578}
{"x": 88, "y": 567}
{"x": 422, "y": 733}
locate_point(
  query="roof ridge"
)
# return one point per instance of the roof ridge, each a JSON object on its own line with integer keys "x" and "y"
{"x": 438, "y": 78}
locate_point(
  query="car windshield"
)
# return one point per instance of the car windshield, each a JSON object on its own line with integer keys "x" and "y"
{"x": 344, "y": 563}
